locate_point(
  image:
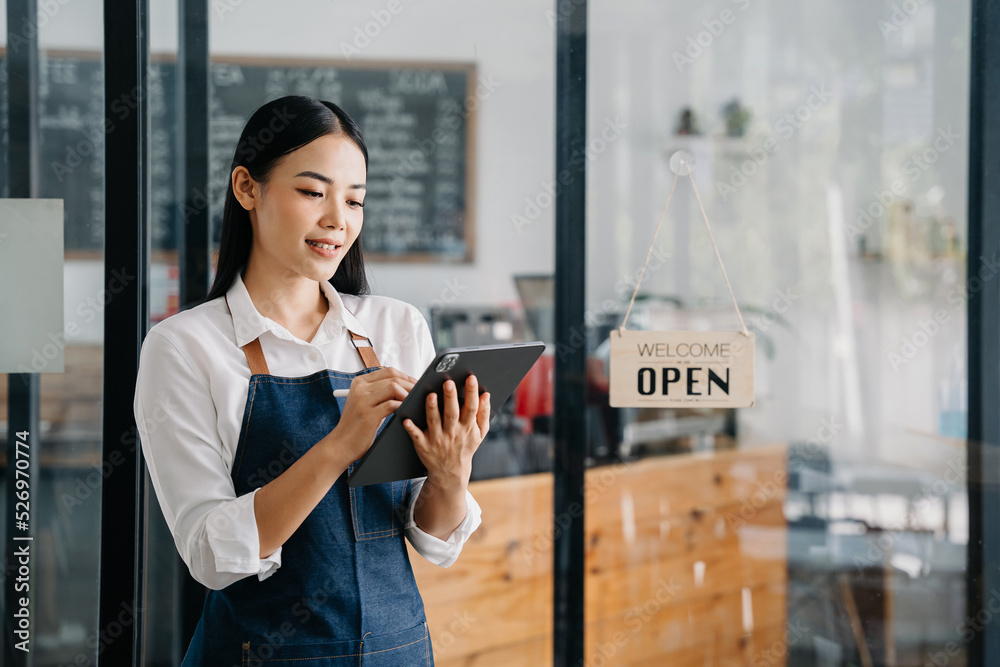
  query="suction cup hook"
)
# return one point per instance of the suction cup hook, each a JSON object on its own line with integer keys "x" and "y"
{"x": 682, "y": 163}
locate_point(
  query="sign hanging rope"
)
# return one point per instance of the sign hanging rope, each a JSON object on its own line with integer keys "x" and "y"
{"x": 684, "y": 165}
{"x": 672, "y": 369}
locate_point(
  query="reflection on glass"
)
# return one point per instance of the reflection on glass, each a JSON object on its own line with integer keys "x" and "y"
{"x": 65, "y": 505}
{"x": 830, "y": 143}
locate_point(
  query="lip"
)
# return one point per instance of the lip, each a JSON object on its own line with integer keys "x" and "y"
{"x": 324, "y": 252}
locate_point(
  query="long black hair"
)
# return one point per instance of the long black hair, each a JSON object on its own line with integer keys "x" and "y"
{"x": 273, "y": 131}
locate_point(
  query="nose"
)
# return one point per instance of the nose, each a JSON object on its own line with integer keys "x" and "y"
{"x": 334, "y": 217}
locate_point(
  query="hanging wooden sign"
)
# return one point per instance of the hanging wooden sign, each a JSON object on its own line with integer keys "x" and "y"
{"x": 682, "y": 369}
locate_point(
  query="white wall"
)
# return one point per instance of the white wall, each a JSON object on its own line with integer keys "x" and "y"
{"x": 511, "y": 43}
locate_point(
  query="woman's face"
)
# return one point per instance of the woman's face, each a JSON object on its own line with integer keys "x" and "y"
{"x": 313, "y": 195}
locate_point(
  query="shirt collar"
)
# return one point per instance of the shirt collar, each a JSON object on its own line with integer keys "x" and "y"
{"x": 338, "y": 316}
{"x": 249, "y": 324}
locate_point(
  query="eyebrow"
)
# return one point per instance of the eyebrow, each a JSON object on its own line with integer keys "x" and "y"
{"x": 328, "y": 180}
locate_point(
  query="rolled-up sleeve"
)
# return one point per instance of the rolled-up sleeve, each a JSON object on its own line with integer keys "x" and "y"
{"x": 435, "y": 550}
{"x": 214, "y": 530}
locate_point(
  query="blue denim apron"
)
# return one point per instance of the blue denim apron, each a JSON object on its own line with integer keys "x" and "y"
{"x": 345, "y": 592}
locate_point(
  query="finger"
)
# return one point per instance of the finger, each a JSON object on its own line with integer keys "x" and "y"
{"x": 390, "y": 389}
{"x": 471, "y": 405}
{"x": 483, "y": 416}
{"x": 416, "y": 435}
{"x": 384, "y": 373}
{"x": 433, "y": 415}
{"x": 402, "y": 383}
{"x": 450, "y": 404}
{"x": 382, "y": 410}
{"x": 389, "y": 378}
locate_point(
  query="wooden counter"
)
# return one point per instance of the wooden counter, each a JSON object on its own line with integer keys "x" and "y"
{"x": 685, "y": 560}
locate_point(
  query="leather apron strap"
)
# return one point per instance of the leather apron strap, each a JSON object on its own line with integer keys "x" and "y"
{"x": 367, "y": 352}
{"x": 255, "y": 357}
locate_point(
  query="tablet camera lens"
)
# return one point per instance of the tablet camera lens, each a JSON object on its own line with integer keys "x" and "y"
{"x": 446, "y": 363}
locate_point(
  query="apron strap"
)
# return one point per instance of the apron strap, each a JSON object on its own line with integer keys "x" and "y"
{"x": 255, "y": 357}
{"x": 367, "y": 352}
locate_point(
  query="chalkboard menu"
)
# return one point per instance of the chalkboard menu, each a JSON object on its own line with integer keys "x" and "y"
{"x": 415, "y": 117}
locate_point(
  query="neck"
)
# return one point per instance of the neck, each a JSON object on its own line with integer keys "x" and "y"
{"x": 288, "y": 299}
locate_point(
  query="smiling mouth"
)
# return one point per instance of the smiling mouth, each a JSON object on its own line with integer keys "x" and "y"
{"x": 324, "y": 246}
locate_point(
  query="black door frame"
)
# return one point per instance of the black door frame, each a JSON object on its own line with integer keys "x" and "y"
{"x": 23, "y": 389}
{"x": 126, "y": 250}
{"x": 570, "y": 426}
{"x": 982, "y": 573}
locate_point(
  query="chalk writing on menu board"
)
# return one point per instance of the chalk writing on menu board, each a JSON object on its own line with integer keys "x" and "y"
{"x": 414, "y": 117}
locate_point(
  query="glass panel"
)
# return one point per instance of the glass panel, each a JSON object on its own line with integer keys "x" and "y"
{"x": 458, "y": 223}
{"x": 826, "y": 525}
{"x": 65, "y": 506}
{"x": 165, "y": 575}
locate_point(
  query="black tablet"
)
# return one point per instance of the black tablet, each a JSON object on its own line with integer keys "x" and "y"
{"x": 498, "y": 368}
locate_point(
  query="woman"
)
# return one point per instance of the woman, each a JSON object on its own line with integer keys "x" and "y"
{"x": 248, "y": 449}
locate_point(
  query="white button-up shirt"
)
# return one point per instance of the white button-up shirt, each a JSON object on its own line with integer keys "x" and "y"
{"x": 190, "y": 397}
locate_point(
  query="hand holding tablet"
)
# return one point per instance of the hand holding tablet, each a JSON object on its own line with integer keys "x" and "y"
{"x": 498, "y": 369}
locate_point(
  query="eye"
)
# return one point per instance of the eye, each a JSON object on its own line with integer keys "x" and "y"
{"x": 311, "y": 193}
{"x": 356, "y": 204}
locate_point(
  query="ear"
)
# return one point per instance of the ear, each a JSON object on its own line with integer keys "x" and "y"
{"x": 245, "y": 188}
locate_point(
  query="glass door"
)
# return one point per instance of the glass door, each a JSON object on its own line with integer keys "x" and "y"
{"x": 54, "y": 296}
{"x": 458, "y": 223}
{"x": 829, "y": 523}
